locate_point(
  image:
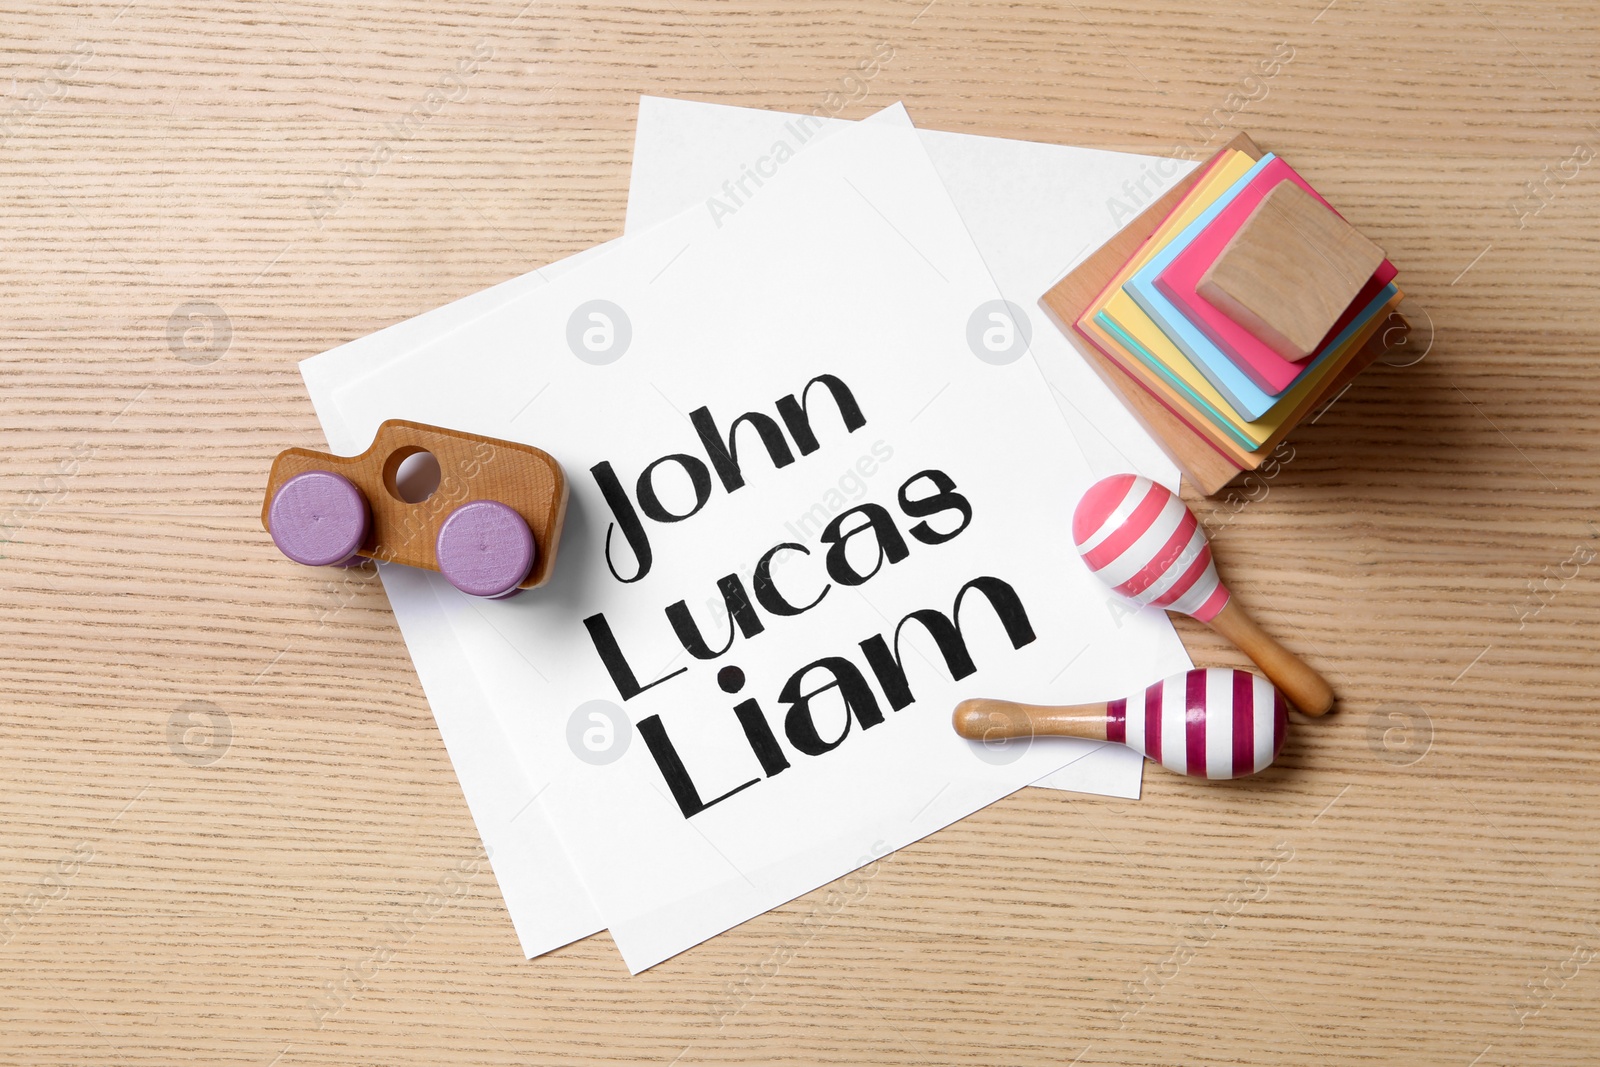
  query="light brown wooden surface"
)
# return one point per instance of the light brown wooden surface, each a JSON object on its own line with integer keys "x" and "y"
{"x": 1305, "y": 689}
{"x": 228, "y": 820}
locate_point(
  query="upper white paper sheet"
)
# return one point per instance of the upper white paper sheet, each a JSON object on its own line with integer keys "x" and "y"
{"x": 842, "y": 265}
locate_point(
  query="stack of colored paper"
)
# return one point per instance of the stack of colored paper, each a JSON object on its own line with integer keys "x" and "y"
{"x": 1210, "y": 316}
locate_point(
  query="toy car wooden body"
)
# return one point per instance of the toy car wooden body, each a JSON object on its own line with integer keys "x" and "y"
{"x": 491, "y": 527}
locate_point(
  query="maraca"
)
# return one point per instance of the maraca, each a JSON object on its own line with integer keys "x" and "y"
{"x": 1217, "y": 723}
{"x": 1141, "y": 540}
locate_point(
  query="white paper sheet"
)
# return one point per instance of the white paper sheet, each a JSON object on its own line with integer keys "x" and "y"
{"x": 736, "y": 302}
{"x": 684, "y": 151}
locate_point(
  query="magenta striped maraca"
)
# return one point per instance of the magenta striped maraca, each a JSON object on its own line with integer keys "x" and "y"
{"x": 1145, "y": 543}
{"x": 1215, "y": 723}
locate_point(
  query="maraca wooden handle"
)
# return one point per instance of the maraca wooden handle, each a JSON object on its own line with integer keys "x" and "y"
{"x": 998, "y": 720}
{"x": 1304, "y": 687}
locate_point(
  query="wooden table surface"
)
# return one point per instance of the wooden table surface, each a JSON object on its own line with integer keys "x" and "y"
{"x": 228, "y": 825}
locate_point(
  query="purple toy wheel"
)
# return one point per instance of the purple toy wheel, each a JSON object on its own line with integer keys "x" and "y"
{"x": 485, "y": 549}
{"x": 319, "y": 518}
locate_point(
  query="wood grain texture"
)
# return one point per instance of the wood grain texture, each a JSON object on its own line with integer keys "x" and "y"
{"x": 229, "y": 820}
{"x": 1306, "y": 690}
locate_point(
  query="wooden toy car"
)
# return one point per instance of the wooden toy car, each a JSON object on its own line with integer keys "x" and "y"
{"x": 491, "y": 526}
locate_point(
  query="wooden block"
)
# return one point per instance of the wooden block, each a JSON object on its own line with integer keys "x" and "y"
{"x": 488, "y": 491}
{"x": 1290, "y": 272}
{"x": 1267, "y": 369}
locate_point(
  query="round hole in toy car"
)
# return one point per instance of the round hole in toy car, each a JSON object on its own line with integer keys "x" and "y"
{"x": 411, "y": 474}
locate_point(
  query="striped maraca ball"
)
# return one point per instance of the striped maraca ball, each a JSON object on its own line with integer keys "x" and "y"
{"x": 1215, "y": 723}
{"x": 1140, "y": 539}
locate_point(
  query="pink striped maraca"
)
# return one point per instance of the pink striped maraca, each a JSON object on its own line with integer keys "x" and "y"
{"x": 1141, "y": 540}
{"x": 1217, "y": 723}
